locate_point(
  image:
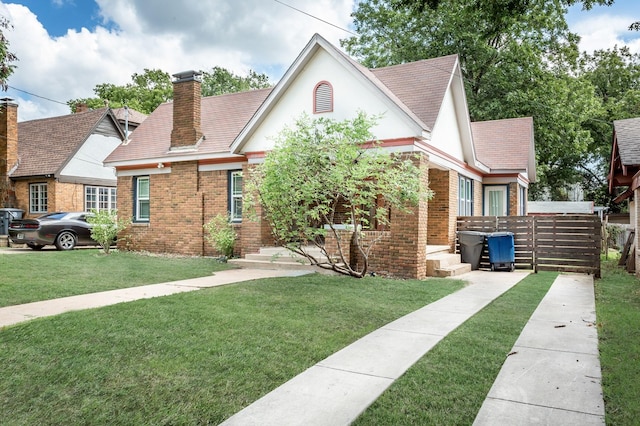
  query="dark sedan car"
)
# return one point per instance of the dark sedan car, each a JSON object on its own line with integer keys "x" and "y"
{"x": 64, "y": 230}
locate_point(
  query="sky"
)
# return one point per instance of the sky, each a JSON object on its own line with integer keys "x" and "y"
{"x": 67, "y": 47}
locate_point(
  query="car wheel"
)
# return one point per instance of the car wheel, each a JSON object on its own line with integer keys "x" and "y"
{"x": 65, "y": 241}
{"x": 35, "y": 246}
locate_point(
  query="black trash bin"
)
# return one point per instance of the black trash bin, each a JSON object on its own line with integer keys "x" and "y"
{"x": 471, "y": 243}
{"x": 6, "y": 216}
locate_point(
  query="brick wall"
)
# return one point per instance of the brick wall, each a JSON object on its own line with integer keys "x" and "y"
{"x": 443, "y": 208}
{"x": 401, "y": 251}
{"x": 60, "y": 196}
{"x": 514, "y": 206}
{"x": 8, "y": 151}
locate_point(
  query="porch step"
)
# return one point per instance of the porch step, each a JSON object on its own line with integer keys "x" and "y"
{"x": 4, "y": 241}
{"x": 280, "y": 258}
{"x": 444, "y": 264}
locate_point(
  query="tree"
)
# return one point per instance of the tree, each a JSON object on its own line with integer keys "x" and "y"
{"x": 153, "y": 87}
{"x": 517, "y": 59}
{"x": 6, "y": 57}
{"x": 220, "y": 81}
{"x": 145, "y": 92}
{"x": 345, "y": 175}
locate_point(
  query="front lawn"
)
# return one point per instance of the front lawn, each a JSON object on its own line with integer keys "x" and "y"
{"x": 191, "y": 358}
{"x": 34, "y": 276}
{"x": 618, "y": 316}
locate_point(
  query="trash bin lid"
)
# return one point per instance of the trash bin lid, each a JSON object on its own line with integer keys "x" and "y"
{"x": 500, "y": 234}
{"x": 478, "y": 233}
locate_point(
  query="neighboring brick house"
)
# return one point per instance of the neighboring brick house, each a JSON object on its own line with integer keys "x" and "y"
{"x": 185, "y": 162}
{"x": 624, "y": 175}
{"x": 56, "y": 164}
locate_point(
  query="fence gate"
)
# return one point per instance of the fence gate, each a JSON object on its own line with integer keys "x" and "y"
{"x": 568, "y": 243}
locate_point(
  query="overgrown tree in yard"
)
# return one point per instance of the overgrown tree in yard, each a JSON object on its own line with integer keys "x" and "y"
{"x": 323, "y": 171}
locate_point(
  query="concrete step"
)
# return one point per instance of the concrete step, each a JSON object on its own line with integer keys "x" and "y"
{"x": 441, "y": 260}
{"x": 4, "y": 241}
{"x": 453, "y": 270}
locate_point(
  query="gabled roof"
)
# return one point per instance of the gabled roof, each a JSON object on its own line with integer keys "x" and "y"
{"x": 404, "y": 86}
{"x": 627, "y": 135}
{"x": 506, "y": 145}
{"x": 422, "y": 96}
{"x": 135, "y": 117}
{"x": 223, "y": 117}
{"x": 46, "y": 145}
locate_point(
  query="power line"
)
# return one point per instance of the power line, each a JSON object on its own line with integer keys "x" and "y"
{"x": 315, "y": 17}
{"x": 38, "y": 96}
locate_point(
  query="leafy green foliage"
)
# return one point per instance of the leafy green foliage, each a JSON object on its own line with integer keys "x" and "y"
{"x": 105, "y": 227}
{"x": 153, "y": 87}
{"x": 6, "y": 57}
{"x": 326, "y": 172}
{"x": 220, "y": 81}
{"x": 518, "y": 58}
{"x": 221, "y": 234}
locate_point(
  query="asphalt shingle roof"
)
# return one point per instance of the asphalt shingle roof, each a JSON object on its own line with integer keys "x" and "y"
{"x": 628, "y": 137}
{"x": 420, "y": 85}
{"x": 45, "y": 145}
{"x": 222, "y": 119}
{"x": 503, "y": 144}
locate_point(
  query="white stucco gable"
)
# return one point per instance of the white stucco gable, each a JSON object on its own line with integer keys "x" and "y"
{"x": 352, "y": 92}
{"x": 87, "y": 164}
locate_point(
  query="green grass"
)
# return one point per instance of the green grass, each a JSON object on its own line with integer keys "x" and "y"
{"x": 32, "y": 277}
{"x": 191, "y": 358}
{"x": 618, "y": 315}
{"x": 449, "y": 384}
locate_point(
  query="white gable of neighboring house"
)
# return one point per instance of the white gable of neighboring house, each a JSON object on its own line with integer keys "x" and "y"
{"x": 86, "y": 165}
{"x": 351, "y": 93}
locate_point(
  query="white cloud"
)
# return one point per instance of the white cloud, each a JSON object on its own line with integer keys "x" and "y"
{"x": 606, "y": 31}
{"x": 265, "y": 36}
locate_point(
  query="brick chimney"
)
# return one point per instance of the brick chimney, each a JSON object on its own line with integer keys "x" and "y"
{"x": 186, "y": 110}
{"x": 8, "y": 135}
{"x": 8, "y": 149}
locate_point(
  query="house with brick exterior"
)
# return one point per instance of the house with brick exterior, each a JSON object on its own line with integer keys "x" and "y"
{"x": 56, "y": 164}
{"x": 185, "y": 163}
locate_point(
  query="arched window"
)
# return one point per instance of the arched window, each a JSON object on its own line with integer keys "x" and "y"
{"x": 322, "y": 98}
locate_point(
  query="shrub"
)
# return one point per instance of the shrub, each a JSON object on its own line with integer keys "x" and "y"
{"x": 105, "y": 227}
{"x": 221, "y": 234}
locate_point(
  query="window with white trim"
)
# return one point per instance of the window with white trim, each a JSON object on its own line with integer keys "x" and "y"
{"x": 142, "y": 199}
{"x": 496, "y": 200}
{"x": 322, "y": 98}
{"x": 38, "y": 198}
{"x": 235, "y": 195}
{"x": 465, "y": 196}
{"x": 99, "y": 198}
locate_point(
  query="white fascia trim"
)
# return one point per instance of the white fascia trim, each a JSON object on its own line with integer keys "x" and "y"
{"x": 221, "y": 166}
{"x": 140, "y": 172}
{"x": 175, "y": 158}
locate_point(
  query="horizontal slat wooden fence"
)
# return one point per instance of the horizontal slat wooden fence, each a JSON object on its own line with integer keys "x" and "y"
{"x": 569, "y": 243}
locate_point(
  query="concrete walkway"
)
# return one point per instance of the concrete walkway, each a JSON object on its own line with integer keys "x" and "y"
{"x": 336, "y": 390}
{"x": 552, "y": 376}
{"x": 18, "y": 313}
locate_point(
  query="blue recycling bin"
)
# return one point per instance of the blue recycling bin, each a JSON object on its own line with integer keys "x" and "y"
{"x": 502, "y": 255}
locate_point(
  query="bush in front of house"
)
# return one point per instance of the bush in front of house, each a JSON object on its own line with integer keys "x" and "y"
{"x": 105, "y": 227}
{"x": 221, "y": 234}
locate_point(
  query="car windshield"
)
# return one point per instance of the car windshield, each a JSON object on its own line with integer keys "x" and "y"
{"x": 55, "y": 216}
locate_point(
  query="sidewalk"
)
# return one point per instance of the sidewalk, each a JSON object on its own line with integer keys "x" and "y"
{"x": 553, "y": 375}
{"x": 18, "y": 313}
{"x": 336, "y": 390}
